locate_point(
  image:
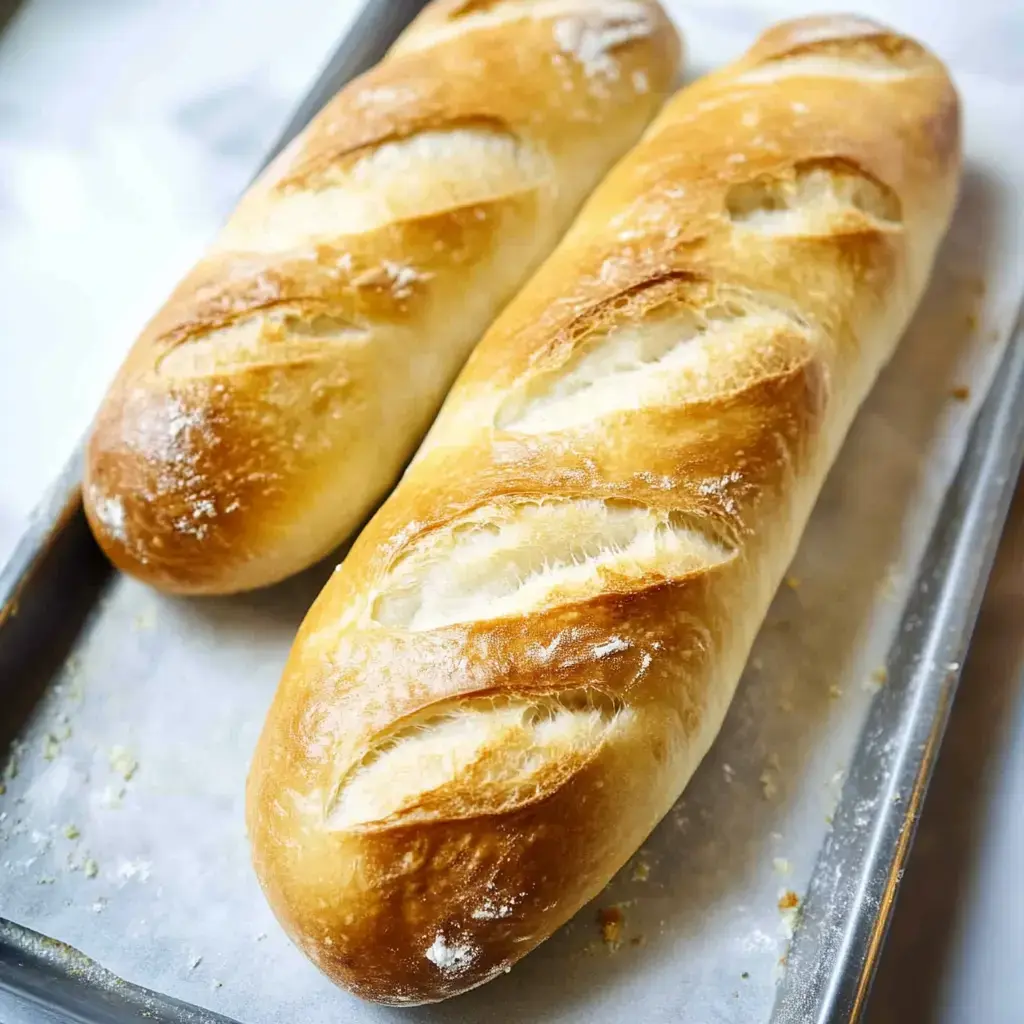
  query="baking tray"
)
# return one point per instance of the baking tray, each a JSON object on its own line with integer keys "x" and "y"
{"x": 74, "y": 637}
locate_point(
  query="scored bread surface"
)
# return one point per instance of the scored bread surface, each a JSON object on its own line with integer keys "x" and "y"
{"x": 532, "y": 645}
{"x": 276, "y": 396}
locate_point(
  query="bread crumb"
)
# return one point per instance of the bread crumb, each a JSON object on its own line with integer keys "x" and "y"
{"x": 781, "y": 865}
{"x": 789, "y": 900}
{"x": 51, "y": 747}
{"x": 961, "y": 393}
{"x": 71, "y": 832}
{"x": 611, "y": 920}
{"x": 835, "y": 692}
{"x": 90, "y": 868}
{"x": 880, "y": 676}
{"x": 789, "y": 908}
{"x": 641, "y": 871}
{"x": 793, "y": 582}
{"x": 123, "y": 762}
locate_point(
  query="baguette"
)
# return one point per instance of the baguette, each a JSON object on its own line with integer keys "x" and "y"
{"x": 533, "y": 644}
{"x": 277, "y": 395}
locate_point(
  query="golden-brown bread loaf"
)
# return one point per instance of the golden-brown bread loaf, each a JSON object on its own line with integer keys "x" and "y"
{"x": 273, "y": 400}
{"x": 518, "y": 667}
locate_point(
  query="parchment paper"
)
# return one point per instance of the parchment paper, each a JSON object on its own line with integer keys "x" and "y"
{"x": 122, "y": 831}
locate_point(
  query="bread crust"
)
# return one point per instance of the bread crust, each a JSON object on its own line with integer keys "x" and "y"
{"x": 532, "y": 645}
{"x": 273, "y": 400}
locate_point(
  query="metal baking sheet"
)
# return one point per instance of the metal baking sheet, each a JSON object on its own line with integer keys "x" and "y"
{"x": 131, "y": 718}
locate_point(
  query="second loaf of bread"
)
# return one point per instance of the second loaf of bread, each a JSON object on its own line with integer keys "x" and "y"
{"x": 528, "y": 651}
{"x": 276, "y": 396}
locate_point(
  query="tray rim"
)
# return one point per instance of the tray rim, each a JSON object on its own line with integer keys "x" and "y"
{"x": 836, "y": 949}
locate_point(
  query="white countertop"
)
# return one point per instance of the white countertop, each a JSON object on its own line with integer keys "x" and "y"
{"x": 128, "y": 127}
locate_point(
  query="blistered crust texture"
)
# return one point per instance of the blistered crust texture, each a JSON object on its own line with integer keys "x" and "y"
{"x": 532, "y": 645}
{"x": 272, "y": 401}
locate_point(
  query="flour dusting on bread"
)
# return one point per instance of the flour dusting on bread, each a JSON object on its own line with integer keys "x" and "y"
{"x": 449, "y": 957}
{"x": 592, "y": 38}
{"x": 109, "y": 511}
